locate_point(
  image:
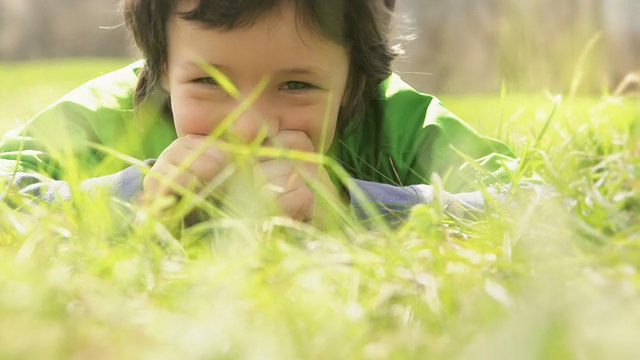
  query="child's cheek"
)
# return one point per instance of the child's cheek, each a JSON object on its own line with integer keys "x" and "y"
{"x": 192, "y": 118}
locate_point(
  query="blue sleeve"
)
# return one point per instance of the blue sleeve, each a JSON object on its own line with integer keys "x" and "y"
{"x": 372, "y": 199}
{"x": 124, "y": 185}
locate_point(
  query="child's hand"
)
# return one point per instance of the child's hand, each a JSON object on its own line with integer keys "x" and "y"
{"x": 284, "y": 180}
{"x": 166, "y": 170}
{"x": 288, "y": 181}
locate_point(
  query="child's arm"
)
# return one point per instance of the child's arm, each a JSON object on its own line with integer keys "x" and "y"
{"x": 124, "y": 185}
{"x": 67, "y": 142}
{"x": 396, "y": 202}
{"x": 422, "y": 153}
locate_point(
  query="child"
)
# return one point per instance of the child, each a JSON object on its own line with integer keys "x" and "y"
{"x": 323, "y": 68}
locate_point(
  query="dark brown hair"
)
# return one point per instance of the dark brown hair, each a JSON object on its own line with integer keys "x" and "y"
{"x": 361, "y": 26}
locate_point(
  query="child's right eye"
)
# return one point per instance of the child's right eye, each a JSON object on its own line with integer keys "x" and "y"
{"x": 206, "y": 80}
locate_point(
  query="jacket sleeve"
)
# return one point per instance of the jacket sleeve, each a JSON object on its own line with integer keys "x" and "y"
{"x": 463, "y": 158}
{"x": 435, "y": 157}
{"x": 124, "y": 185}
{"x": 98, "y": 112}
{"x": 474, "y": 173}
{"x": 411, "y": 137}
{"x": 82, "y": 141}
{"x": 394, "y": 203}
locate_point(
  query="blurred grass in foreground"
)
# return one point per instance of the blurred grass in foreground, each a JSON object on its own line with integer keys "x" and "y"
{"x": 550, "y": 279}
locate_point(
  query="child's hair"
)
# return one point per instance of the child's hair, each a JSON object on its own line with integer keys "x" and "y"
{"x": 361, "y": 26}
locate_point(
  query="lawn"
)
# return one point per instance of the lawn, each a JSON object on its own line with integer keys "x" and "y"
{"x": 546, "y": 278}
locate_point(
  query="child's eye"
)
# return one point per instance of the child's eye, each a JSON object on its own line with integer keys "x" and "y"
{"x": 297, "y": 85}
{"x": 206, "y": 80}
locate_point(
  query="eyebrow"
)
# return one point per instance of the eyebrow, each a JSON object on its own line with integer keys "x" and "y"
{"x": 313, "y": 71}
{"x": 197, "y": 65}
{"x": 309, "y": 71}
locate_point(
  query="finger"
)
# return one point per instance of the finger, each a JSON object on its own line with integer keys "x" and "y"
{"x": 302, "y": 197}
{"x": 297, "y": 204}
{"x": 295, "y": 187}
{"x": 166, "y": 178}
{"x": 191, "y": 153}
{"x": 284, "y": 169}
{"x": 290, "y": 139}
{"x": 283, "y": 185}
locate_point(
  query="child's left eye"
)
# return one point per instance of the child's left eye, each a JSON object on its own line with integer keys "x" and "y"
{"x": 297, "y": 85}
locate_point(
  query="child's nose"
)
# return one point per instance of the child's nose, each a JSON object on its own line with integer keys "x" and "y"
{"x": 250, "y": 126}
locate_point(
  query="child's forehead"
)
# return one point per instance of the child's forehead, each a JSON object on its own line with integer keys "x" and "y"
{"x": 279, "y": 30}
{"x": 234, "y": 14}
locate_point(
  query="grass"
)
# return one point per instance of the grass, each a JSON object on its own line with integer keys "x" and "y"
{"x": 548, "y": 279}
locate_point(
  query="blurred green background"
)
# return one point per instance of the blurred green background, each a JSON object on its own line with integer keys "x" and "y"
{"x": 457, "y": 46}
{"x": 475, "y": 48}
{"x": 29, "y": 86}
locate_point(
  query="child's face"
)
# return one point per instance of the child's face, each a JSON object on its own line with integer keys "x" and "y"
{"x": 307, "y": 77}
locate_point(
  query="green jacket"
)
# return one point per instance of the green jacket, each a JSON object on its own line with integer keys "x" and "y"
{"x": 416, "y": 138}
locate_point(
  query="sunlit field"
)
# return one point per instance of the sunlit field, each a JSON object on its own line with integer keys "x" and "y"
{"x": 536, "y": 278}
